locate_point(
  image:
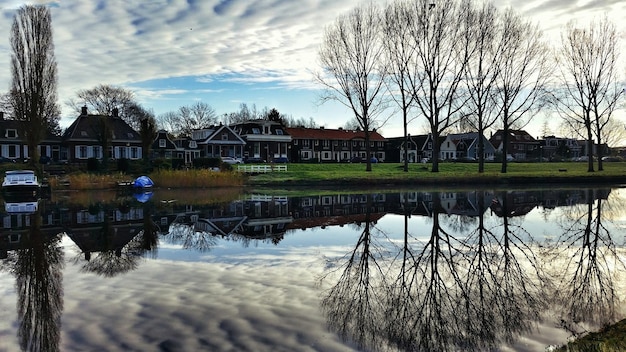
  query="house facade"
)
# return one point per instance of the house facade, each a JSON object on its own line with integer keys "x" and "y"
{"x": 520, "y": 144}
{"x": 12, "y": 145}
{"x": 333, "y": 145}
{"x": 264, "y": 140}
{"x": 163, "y": 147}
{"x": 83, "y": 138}
{"x": 216, "y": 142}
{"x": 464, "y": 145}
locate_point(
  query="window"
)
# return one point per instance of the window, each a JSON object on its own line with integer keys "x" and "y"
{"x": 83, "y": 133}
{"x": 134, "y": 153}
{"x": 326, "y": 142}
{"x": 306, "y": 142}
{"x": 224, "y": 136}
{"x": 255, "y": 130}
{"x": 279, "y": 132}
{"x": 162, "y": 143}
{"x": 130, "y": 135}
{"x": 295, "y": 142}
{"x": 430, "y": 145}
{"x": 82, "y": 152}
{"x": 192, "y": 144}
{"x": 317, "y": 142}
{"x": 11, "y": 133}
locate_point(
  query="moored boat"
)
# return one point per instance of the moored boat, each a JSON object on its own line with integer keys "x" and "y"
{"x": 20, "y": 182}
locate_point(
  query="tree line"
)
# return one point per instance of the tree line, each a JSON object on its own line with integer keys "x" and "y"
{"x": 469, "y": 65}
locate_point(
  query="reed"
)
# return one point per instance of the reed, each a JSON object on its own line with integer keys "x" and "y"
{"x": 84, "y": 181}
{"x": 200, "y": 178}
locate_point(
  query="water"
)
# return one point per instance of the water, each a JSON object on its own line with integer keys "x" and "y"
{"x": 422, "y": 270}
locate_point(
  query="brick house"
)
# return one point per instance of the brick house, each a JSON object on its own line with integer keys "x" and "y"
{"x": 333, "y": 145}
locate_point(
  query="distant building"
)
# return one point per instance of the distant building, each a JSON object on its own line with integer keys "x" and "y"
{"x": 333, "y": 145}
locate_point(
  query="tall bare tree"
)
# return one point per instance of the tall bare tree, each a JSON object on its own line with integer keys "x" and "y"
{"x": 442, "y": 54}
{"x": 524, "y": 72}
{"x": 481, "y": 72}
{"x": 590, "y": 90}
{"x": 33, "y": 92}
{"x": 401, "y": 62}
{"x": 353, "y": 71}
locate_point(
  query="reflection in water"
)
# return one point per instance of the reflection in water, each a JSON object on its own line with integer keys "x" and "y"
{"x": 591, "y": 263}
{"x": 37, "y": 264}
{"x": 471, "y": 276}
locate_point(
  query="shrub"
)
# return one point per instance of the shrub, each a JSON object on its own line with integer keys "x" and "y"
{"x": 123, "y": 165}
{"x": 206, "y": 163}
{"x": 93, "y": 165}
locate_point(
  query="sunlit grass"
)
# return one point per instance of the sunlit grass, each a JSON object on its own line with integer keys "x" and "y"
{"x": 355, "y": 174}
{"x": 87, "y": 181}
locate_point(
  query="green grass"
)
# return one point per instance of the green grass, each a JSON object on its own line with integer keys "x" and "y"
{"x": 448, "y": 173}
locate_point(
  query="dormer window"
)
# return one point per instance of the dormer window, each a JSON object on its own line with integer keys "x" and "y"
{"x": 162, "y": 143}
{"x": 192, "y": 144}
{"x": 255, "y": 130}
{"x": 83, "y": 133}
{"x": 11, "y": 133}
{"x": 130, "y": 135}
{"x": 279, "y": 132}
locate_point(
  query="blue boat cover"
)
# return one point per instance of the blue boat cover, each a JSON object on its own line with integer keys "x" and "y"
{"x": 143, "y": 182}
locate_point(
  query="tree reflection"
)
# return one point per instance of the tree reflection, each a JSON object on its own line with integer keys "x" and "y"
{"x": 588, "y": 264}
{"x": 519, "y": 280}
{"x": 38, "y": 272}
{"x": 355, "y": 305}
{"x": 187, "y": 236}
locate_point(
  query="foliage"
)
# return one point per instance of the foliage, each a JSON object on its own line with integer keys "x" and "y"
{"x": 123, "y": 165}
{"x": 609, "y": 339}
{"x": 205, "y": 163}
{"x": 93, "y": 165}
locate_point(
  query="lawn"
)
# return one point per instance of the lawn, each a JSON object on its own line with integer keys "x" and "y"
{"x": 448, "y": 173}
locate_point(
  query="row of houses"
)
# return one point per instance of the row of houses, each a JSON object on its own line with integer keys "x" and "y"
{"x": 263, "y": 140}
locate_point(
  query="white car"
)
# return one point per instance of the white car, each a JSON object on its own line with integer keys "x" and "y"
{"x": 231, "y": 160}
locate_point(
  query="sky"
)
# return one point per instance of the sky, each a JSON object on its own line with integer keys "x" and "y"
{"x": 263, "y": 53}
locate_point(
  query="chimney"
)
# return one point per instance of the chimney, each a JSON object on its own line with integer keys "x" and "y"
{"x": 115, "y": 112}
{"x": 83, "y": 110}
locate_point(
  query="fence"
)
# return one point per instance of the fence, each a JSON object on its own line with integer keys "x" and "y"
{"x": 260, "y": 169}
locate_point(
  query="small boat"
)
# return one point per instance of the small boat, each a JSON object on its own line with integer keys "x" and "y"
{"x": 20, "y": 182}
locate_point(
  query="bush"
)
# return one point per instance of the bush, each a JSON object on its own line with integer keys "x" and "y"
{"x": 93, "y": 165}
{"x": 206, "y": 163}
{"x": 178, "y": 164}
{"x": 123, "y": 165}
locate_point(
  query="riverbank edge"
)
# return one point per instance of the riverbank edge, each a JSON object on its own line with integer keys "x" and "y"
{"x": 444, "y": 181}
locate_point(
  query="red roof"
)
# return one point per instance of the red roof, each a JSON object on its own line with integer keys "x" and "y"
{"x": 330, "y": 134}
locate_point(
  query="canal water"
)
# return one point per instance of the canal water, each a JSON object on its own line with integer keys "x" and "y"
{"x": 411, "y": 270}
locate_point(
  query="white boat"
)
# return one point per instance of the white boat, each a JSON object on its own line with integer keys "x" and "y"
{"x": 20, "y": 182}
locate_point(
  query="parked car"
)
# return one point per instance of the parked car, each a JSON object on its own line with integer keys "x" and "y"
{"x": 612, "y": 158}
{"x": 231, "y": 160}
{"x": 356, "y": 159}
{"x": 281, "y": 160}
{"x": 253, "y": 160}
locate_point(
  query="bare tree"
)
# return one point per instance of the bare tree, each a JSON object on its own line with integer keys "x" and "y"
{"x": 103, "y": 98}
{"x": 402, "y": 65}
{"x": 442, "y": 54}
{"x": 353, "y": 72}
{"x": 524, "y": 73}
{"x": 590, "y": 89}
{"x": 33, "y": 91}
{"x": 188, "y": 118}
{"x": 481, "y": 73}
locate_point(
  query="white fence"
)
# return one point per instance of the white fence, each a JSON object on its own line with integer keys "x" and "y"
{"x": 260, "y": 169}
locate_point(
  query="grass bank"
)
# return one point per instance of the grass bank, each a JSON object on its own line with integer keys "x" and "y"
{"x": 449, "y": 174}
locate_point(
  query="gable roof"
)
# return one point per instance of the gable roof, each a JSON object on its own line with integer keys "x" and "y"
{"x": 331, "y": 134}
{"x": 86, "y": 127}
